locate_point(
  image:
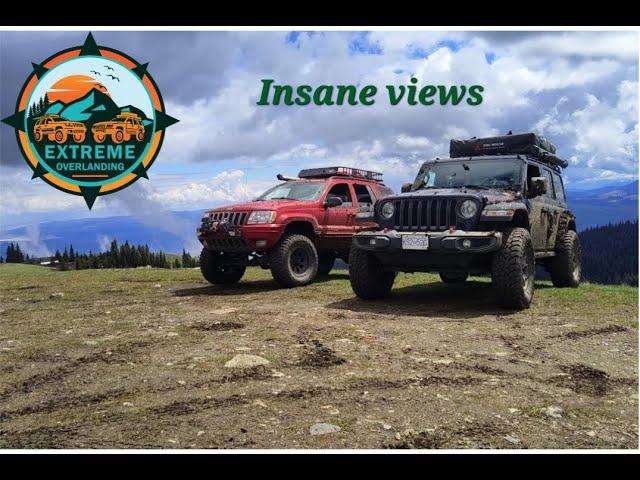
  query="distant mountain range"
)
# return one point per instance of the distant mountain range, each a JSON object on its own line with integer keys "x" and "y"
{"x": 592, "y": 208}
{"x": 604, "y": 205}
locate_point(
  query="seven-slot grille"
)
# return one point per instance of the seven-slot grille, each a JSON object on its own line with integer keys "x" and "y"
{"x": 425, "y": 214}
{"x": 234, "y": 218}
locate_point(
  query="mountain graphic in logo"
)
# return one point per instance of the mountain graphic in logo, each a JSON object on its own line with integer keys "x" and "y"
{"x": 93, "y": 107}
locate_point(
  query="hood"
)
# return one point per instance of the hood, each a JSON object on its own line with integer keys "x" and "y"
{"x": 259, "y": 205}
{"x": 489, "y": 196}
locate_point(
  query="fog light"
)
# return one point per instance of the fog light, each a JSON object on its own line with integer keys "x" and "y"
{"x": 261, "y": 243}
{"x": 466, "y": 243}
{"x": 372, "y": 242}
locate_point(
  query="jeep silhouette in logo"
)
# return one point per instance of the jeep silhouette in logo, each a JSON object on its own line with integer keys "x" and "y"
{"x": 56, "y": 129}
{"x": 121, "y": 129}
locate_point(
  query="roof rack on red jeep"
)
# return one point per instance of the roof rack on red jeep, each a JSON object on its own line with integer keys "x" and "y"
{"x": 326, "y": 172}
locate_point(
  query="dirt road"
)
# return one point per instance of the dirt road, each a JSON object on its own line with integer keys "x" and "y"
{"x": 136, "y": 359}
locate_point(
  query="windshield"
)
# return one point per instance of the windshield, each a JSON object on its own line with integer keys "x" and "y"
{"x": 470, "y": 173}
{"x": 293, "y": 191}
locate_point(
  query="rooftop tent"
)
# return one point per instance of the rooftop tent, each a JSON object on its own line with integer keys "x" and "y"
{"x": 523, "y": 143}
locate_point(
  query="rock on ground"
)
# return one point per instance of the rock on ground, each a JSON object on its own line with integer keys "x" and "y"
{"x": 323, "y": 428}
{"x": 244, "y": 360}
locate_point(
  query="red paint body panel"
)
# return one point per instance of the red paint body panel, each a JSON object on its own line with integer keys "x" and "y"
{"x": 332, "y": 226}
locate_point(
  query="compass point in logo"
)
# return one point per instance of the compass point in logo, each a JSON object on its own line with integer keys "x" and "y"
{"x": 90, "y": 120}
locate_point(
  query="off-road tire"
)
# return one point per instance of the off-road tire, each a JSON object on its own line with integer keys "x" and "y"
{"x": 139, "y": 135}
{"x": 325, "y": 263}
{"x": 453, "y": 277}
{"x": 37, "y": 136}
{"x": 566, "y": 266}
{"x": 118, "y": 137}
{"x": 369, "y": 280}
{"x": 513, "y": 270}
{"x": 294, "y": 261}
{"x": 78, "y": 137}
{"x": 216, "y": 272}
{"x": 60, "y": 136}
{"x": 99, "y": 137}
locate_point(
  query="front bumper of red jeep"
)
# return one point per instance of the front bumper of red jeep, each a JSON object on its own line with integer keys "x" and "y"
{"x": 221, "y": 236}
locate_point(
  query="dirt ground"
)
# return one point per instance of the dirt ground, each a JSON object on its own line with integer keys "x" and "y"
{"x": 136, "y": 359}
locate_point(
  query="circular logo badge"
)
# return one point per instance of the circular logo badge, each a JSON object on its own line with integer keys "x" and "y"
{"x": 90, "y": 120}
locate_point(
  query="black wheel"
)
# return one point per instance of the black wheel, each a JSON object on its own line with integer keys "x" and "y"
{"x": 368, "y": 279}
{"x": 294, "y": 261}
{"x": 566, "y": 266}
{"x": 325, "y": 263}
{"x": 513, "y": 270}
{"x": 215, "y": 271}
{"x": 453, "y": 277}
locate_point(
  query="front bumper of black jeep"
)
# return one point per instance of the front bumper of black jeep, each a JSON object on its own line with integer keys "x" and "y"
{"x": 447, "y": 242}
{"x": 448, "y": 251}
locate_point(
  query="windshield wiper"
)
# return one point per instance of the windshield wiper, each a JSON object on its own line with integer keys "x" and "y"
{"x": 481, "y": 187}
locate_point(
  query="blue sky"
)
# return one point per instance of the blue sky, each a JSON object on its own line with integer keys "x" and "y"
{"x": 577, "y": 88}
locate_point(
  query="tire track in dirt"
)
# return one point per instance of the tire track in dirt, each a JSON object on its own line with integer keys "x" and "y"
{"x": 114, "y": 355}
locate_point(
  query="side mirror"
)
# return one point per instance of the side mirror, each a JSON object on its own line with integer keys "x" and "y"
{"x": 332, "y": 202}
{"x": 406, "y": 187}
{"x": 537, "y": 187}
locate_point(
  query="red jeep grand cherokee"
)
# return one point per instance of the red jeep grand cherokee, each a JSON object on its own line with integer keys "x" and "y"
{"x": 297, "y": 228}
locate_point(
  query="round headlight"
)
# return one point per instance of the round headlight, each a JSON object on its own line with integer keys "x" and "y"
{"x": 387, "y": 210}
{"x": 468, "y": 209}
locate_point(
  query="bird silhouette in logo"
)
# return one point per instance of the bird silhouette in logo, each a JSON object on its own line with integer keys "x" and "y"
{"x": 113, "y": 77}
{"x": 108, "y": 67}
{"x": 96, "y": 73}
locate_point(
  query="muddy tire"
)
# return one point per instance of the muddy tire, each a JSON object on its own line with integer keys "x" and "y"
{"x": 325, "y": 263}
{"x": 369, "y": 280}
{"x": 60, "y": 136}
{"x": 513, "y": 270}
{"x": 453, "y": 277}
{"x": 216, "y": 272}
{"x": 566, "y": 266}
{"x": 294, "y": 261}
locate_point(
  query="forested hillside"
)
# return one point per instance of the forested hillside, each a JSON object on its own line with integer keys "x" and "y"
{"x": 610, "y": 253}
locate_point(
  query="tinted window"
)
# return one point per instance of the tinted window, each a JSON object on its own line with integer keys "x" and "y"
{"x": 341, "y": 190}
{"x": 362, "y": 194}
{"x": 550, "y": 191}
{"x": 557, "y": 183}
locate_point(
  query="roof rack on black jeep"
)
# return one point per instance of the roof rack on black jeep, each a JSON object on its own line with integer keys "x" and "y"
{"x": 326, "y": 172}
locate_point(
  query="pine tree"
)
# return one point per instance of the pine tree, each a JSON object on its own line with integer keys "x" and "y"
{"x": 72, "y": 254}
{"x": 19, "y": 256}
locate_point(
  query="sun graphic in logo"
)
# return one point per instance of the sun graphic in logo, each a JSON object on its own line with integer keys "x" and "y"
{"x": 70, "y": 88}
{"x": 90, "y": 120}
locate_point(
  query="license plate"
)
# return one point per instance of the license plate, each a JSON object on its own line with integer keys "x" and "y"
{"x": 415, "y": 242}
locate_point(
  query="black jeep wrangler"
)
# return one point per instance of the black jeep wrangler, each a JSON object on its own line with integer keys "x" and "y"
{"x": 496, "y": 206}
